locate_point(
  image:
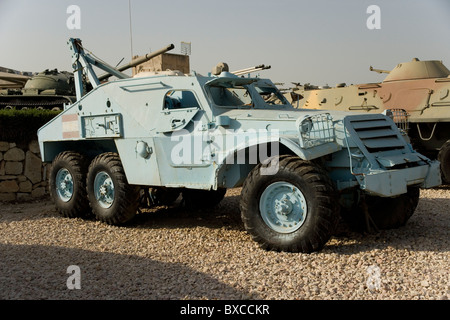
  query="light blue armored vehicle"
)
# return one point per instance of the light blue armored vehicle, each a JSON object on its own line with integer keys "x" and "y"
{"x": 196, "y": 135}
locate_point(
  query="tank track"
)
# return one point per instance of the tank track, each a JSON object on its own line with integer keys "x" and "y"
{"x": 44, "y": 104}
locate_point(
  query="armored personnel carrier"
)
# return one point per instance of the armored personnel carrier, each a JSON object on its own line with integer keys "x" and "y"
{"x": 415, "y": 93}
{"x": 199, "y": 135}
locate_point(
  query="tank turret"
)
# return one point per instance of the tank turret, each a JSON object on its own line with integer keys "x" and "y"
{"x": 50, "y": 82}
{"x": 49, "y": 89}
{"x": 416, "y": 69}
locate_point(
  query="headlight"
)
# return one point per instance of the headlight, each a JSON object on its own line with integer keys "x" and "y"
{"x": 389, "y": 113}
{"x": 306, "y": 125}
{"x": 315, "y": 130}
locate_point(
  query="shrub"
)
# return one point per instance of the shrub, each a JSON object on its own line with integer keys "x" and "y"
{"x": 22, "y": 125}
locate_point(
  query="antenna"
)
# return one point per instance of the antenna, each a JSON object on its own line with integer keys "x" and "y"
{"x": 186, "y": 48}
{"x": 131, "y": 30}
{"x": 119, "y": 62}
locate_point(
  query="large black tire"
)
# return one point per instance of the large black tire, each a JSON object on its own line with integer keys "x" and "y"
{"x": 111, "y": 198}
{"x": 444, "y": 159}
{"x": 67, "y": 184}
{"x": 383, "y": 213}
{"x": 195, "y": 199}
{"x": 310, "y": 213}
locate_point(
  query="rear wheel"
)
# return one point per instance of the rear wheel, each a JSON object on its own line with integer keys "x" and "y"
{"x": 67, "y": 184}
{"x": 293, "y": 210}
{"x": 112, "y": 199}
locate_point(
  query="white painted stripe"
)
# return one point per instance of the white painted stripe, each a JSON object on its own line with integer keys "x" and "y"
{"x": 70, "y": 126}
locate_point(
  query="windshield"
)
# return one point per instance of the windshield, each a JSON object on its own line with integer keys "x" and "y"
{"x": 237, "y": 96}
{"x": 233, "y": 95}
{"x": 271, "y": 96}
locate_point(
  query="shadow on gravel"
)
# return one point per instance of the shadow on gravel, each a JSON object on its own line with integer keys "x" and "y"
{"x": 426, "y": 230}
{"x": 40, "y": 272}
{"x": 28, "y": 210}
{"x": 225, "y": 215}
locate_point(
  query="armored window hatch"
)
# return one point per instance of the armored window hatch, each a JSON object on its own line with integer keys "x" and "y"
{"x": 101, "y": 126}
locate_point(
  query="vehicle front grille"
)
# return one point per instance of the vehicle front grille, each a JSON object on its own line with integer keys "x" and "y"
{"x": 377, "y": 134}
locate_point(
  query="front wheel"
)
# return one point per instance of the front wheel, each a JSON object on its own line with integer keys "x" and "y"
{"x": 112, "y": 199}
{"x": 293, "y": 210}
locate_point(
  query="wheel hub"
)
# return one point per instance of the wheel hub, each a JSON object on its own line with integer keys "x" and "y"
{"x": 64, "y": 185}
{"x": 104, "y": 189}
{"x": 283, "y": 207}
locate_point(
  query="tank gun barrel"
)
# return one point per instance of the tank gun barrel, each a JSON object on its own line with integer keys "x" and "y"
{"x": 378, "y": 70}
{"x": 138, "y": 61}
{"x": 12, "y": 79}
{"x": 147, "y": 57}
{"x": 82, "y": 61}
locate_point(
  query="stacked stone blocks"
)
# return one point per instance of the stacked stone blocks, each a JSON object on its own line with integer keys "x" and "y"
{"x": 23, "y": 176}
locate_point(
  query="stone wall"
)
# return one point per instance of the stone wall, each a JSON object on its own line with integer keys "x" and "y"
{"x": 23, "y": 176}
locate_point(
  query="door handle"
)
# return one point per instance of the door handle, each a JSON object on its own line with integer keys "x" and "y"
{"x": 177, "y": 122}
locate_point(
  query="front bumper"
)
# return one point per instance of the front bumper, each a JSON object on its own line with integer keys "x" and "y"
{"x": 395, "y": 182}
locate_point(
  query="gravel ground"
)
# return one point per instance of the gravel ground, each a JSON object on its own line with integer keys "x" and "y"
{"x": 169, "y": 253}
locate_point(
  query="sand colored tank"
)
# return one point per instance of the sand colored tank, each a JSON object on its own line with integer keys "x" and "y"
{"x": 415, "y": 93}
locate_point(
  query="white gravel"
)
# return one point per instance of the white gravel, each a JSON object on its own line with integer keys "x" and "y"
{"x": 173, "y": 254}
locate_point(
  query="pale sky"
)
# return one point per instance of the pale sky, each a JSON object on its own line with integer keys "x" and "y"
{"x": 319, "y": 42}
